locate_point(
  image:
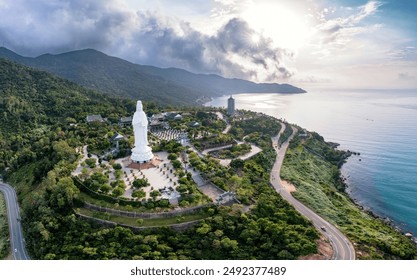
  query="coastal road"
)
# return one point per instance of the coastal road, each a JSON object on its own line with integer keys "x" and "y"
{"x": 15, "y": 229}
{"x": 342, "y": 247}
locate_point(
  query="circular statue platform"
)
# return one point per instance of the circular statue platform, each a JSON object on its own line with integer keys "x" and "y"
{"x": 154, "y": 162}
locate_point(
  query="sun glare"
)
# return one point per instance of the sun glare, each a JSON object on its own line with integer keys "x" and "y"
{"x": 255, "y": 38}
{"x": 286, "y": 27}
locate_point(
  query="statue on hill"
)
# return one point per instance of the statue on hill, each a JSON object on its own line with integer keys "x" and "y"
{"x": 141, "y": 153}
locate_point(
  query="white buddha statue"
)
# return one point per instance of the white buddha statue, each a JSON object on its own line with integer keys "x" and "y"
{"x": 141, "y": 152}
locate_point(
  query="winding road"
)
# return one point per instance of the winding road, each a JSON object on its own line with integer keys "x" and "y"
{"x": 15, "y": 229}
{"x": 342, "y": 247}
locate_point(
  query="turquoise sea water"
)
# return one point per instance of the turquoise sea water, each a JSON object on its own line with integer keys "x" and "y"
{"x": 380, "y": 125}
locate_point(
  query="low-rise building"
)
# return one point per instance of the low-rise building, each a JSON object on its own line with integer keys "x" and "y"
{"x": 116, "y": 138}
{"x": 303, "y": 134}
{"x": 94, "y": 118}
{"x": 157, "y": 125}
{"x": 170, "y": 115}
{"x": 125, "y": 121}
{"x": 194, "y": 124}
{"x": 178, "y": 117}
{"x": 158, "y": 117}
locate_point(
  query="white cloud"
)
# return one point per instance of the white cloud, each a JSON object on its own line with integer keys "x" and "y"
{"x": 351, "y": 47}
{"x": 403, "y": 53}
{"x": 336, "y": 33}
{"x": 262, "y": 40}
{"x": 230, "y": 51}
{"x": 143, "y": 37}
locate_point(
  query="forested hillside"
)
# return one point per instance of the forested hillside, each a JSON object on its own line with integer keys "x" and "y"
{"x": 37, "y": 145}
{"x": 36, "y": 108}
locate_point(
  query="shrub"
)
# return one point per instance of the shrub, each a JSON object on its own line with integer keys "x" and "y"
{"x": 117, "y": 166}
{"x": 91, "y": 162}
{"x": 139, "y": 194}
{"x": 172, "y": 156}
{"x": 140, "y": 183}
{"x": 176, "y": 164}
{"x": 118, "y": 191}
{"x": 163, "y": 203}
{"x": 154, "y": 194}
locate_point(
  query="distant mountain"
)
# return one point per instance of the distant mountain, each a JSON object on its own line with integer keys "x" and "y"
{"x": 216, "y": 85}
{"x": 115, "y": 76}
{"x": 110, "y": 75}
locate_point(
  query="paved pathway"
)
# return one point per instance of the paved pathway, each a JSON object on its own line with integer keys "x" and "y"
{"x": 206, "y": 188}
{"x": 81, "y": 161}
{"x": 225, "y": 162}
{"x": 157, "y": 178}
{"x": 228, "y": 125}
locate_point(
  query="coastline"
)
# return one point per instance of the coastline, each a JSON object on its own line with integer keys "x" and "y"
{"x": 313, "y": 166}
{"x": 368, "y": 209}
{"x": 356, "y": 173}
{"x": 364, "y": 208}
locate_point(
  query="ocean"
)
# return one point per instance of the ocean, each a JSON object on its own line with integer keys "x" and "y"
{"x": 380, "y": 125}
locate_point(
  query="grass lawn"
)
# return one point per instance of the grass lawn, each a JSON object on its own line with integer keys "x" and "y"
{"x": 146, "y": 222}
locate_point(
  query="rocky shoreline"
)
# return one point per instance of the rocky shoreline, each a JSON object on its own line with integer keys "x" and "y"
{"x": 367, "y": 209}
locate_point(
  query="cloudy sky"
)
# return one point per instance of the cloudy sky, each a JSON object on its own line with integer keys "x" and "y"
{"x": 309, "y": 43}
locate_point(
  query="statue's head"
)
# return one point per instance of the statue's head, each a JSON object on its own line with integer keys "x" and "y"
{"x": 139, "y": 106}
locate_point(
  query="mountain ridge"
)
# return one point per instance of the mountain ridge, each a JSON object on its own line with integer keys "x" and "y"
{"x": 96, "y": 70}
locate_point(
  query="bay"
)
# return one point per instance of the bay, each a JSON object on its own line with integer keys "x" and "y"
{"x": 379, "y": 124}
